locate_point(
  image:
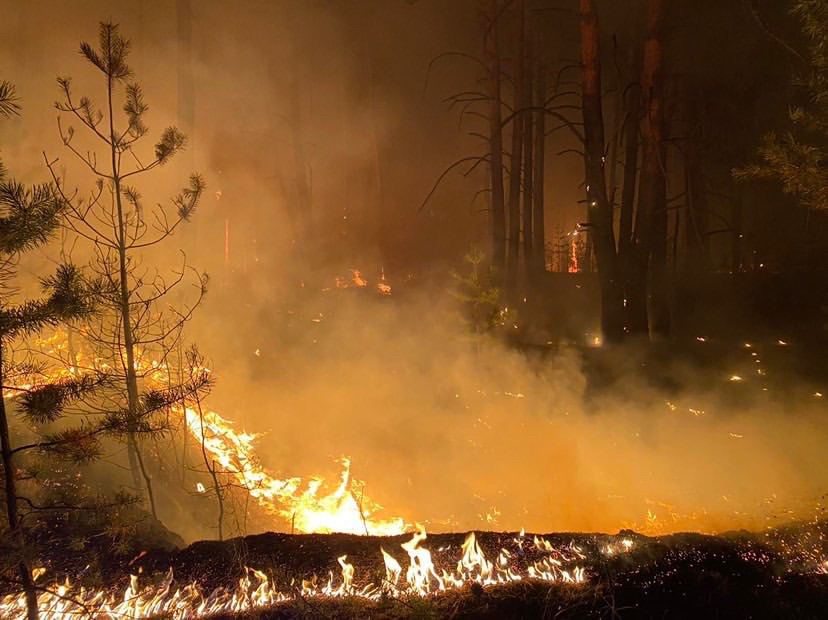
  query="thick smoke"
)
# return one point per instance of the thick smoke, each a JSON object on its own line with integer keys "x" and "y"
{"x": 453, "y": 431}
{"x": 469, "y": 433}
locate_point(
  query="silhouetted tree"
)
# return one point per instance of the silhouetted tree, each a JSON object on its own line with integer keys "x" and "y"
{"x": 498, "y": 210}
{"x": 29, "y": 216}
{"x": 599, "y": 206}
{"x": 132, "y": 331}
{"x": 649, "y": 236}
{"x": 796, "y": 158}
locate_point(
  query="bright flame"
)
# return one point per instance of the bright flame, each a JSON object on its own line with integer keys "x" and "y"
{"x": 255, "y": 590}
{"x": 300, "y": 502}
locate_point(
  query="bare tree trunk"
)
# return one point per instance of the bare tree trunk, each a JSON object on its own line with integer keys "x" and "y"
{"x": 498, "y": 214}
{"x": 538, "y": 175}
{"x": 660, "y": 276}
{"x": 652, "y": 184}
{"x": 628, "y": 193}
{"x": 12, "y": 514}
{"x": 528, "y": 152}
{"x": 697, "y": 205}
{"x": 516, "y": 154}
{"x": 599, "y": 208}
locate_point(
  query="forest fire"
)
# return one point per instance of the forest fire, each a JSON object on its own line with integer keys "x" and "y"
{"x": 300, "y": 502}
{"x": 297, "y": 502}
{"x": 255, "y": 590}
{"x": 306, "y": 308}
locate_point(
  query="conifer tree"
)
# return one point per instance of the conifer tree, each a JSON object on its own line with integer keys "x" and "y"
{"x": 29, "y": 216}
{"x": 132, "y": 331}
{"x": 796, "y": 158}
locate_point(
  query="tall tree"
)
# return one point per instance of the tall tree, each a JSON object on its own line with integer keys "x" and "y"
{"x": 498, "y": 208}
{"x": 599, "y": 207}
{"x": 539, "y": 173}
{"x": 650, "y": 217}
{"x": 632, "y": 122}
{"x": 120, "y": 230}
{"x": 528, "y": 147}
{"x": 516, "y": 159}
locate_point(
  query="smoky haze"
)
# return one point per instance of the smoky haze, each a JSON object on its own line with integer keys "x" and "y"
{"x": 452, "y": 431}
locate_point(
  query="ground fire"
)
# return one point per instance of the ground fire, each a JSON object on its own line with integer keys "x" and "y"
{"x": 495, "y": 309}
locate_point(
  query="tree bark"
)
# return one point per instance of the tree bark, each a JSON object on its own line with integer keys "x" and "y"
{"x": 599, "y": 208}
{"x": 538, "y": 176}
{"x": 628, "y": 192}
{"x": 652, "y": 183}
{"x": 498, "y": 210}
{"x": 660, "y": 306}
{"x": 695, "y": 228}
{"x": 516, "y": 155}
{"x": 528, "y": 153}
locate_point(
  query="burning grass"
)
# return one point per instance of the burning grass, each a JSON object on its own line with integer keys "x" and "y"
{"x": 489, "y": 575}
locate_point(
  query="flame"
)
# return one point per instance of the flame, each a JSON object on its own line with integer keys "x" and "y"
{"x": 300, "y": 502}
{"x": 573, "y": 264}
{"x": 357, "y": 280}
{"x": 382, "y": 286}
{"x": 256, "y": 591}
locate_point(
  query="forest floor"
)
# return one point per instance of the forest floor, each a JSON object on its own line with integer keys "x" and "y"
{"x": 780, "y": 573}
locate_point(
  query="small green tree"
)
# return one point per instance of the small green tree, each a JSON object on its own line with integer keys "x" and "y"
{"x": 478, "y": 294}
{"x": 133, "y": 330}
{"x": 29, "y": 216}
{"x": 797, "y": 158}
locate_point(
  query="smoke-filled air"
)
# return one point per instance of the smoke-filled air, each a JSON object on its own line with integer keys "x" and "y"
{"x": 413, "y": 308}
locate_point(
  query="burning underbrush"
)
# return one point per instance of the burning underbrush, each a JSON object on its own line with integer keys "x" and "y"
{"x": 473, "y": 575}
{"x": 511, "y": 435}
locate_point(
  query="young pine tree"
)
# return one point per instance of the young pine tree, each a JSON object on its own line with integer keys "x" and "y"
{"x": 121, "y": 230}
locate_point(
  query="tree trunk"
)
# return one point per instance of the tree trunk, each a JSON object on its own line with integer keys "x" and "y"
{"x": 599, "y": 208}
{"x": 498, "y": 213}
{"x": 659, "y": 273}
{"x": 528, "y": 154}
{"x": 12, "y": 514}
{"x": 516, "y": 156}
{"x": 631, "y": 129}
{"x": 139, "y": 471}
{"x": 652, "y": 183}
{"x": 538, "y": 176}
{"x": 695, "y": 228}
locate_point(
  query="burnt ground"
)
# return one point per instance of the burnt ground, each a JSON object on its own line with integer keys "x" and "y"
{"x": 735, "y": 575}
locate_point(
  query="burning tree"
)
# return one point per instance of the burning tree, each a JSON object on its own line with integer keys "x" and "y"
{"x": 132, "y": 337}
